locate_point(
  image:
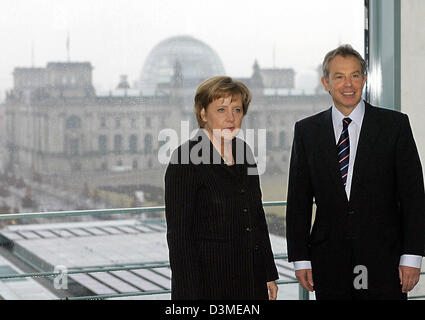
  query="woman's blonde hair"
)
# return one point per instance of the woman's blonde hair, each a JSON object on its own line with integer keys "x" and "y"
{"x": 219, "y": 87}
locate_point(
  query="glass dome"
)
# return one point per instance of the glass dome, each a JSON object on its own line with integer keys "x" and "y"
{"x": 196, "y": 62}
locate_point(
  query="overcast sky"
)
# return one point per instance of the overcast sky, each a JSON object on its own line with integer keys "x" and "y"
{"x": 117, "y": 35}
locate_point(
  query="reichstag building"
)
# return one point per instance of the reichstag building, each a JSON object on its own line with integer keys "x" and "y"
{"x": 61, "y": 130}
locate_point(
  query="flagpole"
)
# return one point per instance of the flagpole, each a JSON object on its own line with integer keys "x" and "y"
{"x": 67, "y": 47}
{"x": 32, "y": 54}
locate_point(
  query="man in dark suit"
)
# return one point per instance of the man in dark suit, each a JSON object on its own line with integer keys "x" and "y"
{"x": 360, "y": 165}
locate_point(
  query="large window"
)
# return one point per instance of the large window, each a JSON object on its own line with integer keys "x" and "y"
{"x": 133, "y": 143}
{"x": 73, "y": 122}
{"x": 81, "y": 78}
{"x": 117, "y": 143}
{"x": 275, "y": 47}
{"x": 103, "y": 143}
{"x": 148, "y": 144}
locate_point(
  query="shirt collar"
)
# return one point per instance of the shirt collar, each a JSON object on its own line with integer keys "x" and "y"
{"x": 356, "y": 115}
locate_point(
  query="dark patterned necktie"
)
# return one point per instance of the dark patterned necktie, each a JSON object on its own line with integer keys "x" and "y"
{"x": 343, "y": 149}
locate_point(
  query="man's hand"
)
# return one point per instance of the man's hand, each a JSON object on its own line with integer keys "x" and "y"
{"x": 305, "y": 278}
{"x": 409, "y": 277}
{"x": 272, "y": 287}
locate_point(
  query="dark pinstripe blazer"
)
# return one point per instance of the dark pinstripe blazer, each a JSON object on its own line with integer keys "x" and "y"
{"x": 218, "y": 241}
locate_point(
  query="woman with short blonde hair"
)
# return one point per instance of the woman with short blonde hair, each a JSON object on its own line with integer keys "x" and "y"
{"x": 219, "y": 87}
{"x": 217, "y": 235}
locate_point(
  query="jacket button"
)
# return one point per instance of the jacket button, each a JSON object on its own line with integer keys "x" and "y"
{"x": 248, "y": 229}
{"x": 245, "y": 210}
{"x": 243, "y": 191}
{"x": 350, "y": 212}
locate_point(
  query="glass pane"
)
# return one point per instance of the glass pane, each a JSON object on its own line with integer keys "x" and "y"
{"x": 90, "y": 91}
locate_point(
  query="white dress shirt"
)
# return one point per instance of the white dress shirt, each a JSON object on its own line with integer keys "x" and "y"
{"x": 354, "y": 129}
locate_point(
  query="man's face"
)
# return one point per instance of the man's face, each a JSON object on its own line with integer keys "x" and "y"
{"x": 345, "y": 83}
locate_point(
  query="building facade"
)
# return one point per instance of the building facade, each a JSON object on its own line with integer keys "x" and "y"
{"x": 58, "y": 127}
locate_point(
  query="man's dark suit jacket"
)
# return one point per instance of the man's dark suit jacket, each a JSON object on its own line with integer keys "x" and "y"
{"x": 217, "y": 235}
{"x": 385, "y": 216}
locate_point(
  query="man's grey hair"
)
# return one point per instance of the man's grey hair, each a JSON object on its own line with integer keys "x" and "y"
{"x": 343, "y": 51}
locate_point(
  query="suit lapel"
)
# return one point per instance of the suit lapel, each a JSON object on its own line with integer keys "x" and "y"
{"x": 327, "y": 153}
{"x": 368, "y": 134}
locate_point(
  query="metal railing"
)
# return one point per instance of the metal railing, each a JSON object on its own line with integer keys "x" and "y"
{"x": 302, "y": 293}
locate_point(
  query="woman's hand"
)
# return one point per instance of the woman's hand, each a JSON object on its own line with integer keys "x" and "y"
{"x": 272, "y": 287}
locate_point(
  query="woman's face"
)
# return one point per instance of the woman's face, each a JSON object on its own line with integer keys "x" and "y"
{"x": 223, "y": 117}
